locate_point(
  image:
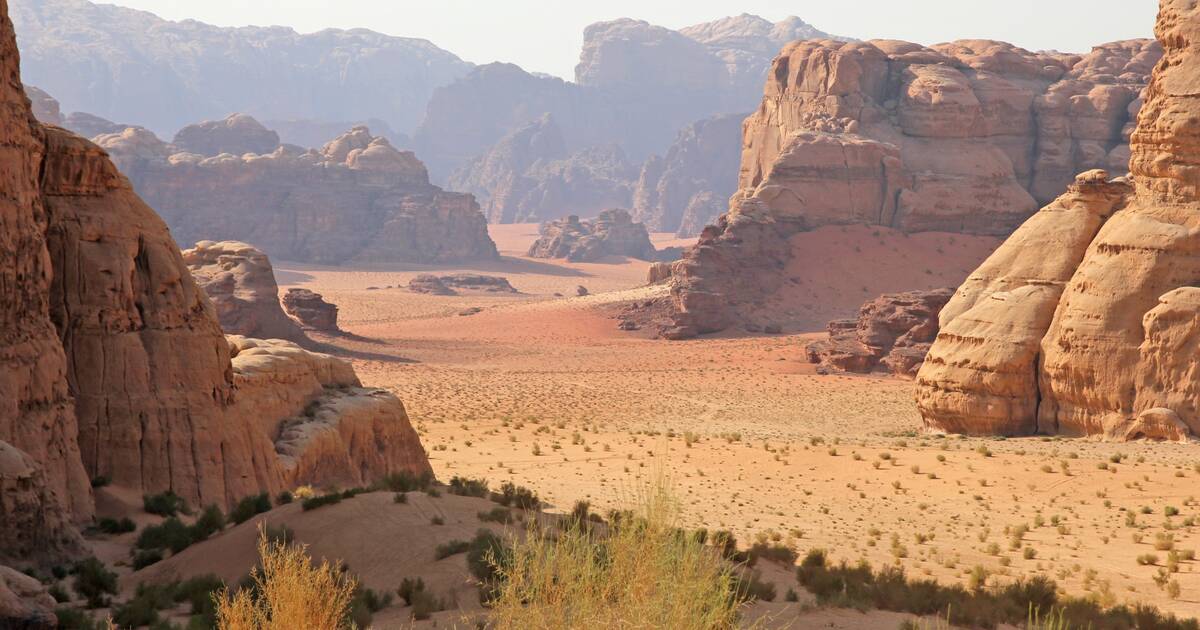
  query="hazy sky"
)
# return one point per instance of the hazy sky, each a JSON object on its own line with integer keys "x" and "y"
{"x": 545, "y": 36}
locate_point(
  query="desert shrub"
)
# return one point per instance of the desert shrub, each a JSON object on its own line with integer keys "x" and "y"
{"x": 59, "y": 593}
{"x": 445, "y": 550}
{"x": 466, "y": 487}
{"x": 145, "y": 558}
{"x": 486, "y": 554}
{"x": 405, "y": 482}
{"x": 170, "y": 534}
{"x": 281, "y": 534}
{"x": 400, "y": 497}
{"x": 114, "y": 526}
{"x": 409, "y": 586}
{"x": 511, "y": 495}
{"x": 211, "y": 521}
{"x": 363, "y": 606}
{"x": 95, "y": 582}
{"x": 425, "y": 604}
{"x": 749, "y": 586}
{"x": 99, "y": 481}
{"x": 641, "y": 573}
{"x": 166, "y": 504}
{"x": 350, "y": 493}
{"x": 774, "y": 552}
{"x": 284, "y": 497}
{"x": 321, "y": 501}
{"x": 250, "y": 506}
{"x": 501, "y": 515}
{"x": 75, "y": 619}
{"x": 289, "y": 591}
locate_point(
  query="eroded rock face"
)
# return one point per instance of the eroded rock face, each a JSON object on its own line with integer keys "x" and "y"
{"x": 690, "y": 187}
{"x": 1086, "y": 328}
{"x": 966, "y": 137}
{"x": 239, "y": 280}
{"x": 311, "y": 309}
{"x": 236, "y": 134}
{"x": 45, "y": 107}
{"x": 612, "y": 233}
{"x": 25, "y": 604}
{"x": 357, "y": 199}
{"x": 892, "y": 332}
{"x": 35, "y": 522}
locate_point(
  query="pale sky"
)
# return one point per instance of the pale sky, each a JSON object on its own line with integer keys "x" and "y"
{"x": 545, "y": 36}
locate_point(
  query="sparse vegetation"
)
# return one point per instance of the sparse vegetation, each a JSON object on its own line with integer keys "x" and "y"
{"x": 165, "y": 504}
{"x": 250, "y": 506}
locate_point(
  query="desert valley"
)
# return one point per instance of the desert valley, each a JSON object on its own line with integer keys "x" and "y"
{"x": 748, "y": 325}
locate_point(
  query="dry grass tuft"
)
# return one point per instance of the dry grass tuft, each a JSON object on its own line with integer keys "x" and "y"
{"x": 288, "y": 592}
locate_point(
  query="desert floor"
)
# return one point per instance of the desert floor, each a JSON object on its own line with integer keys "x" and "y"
{"x": 544, "y": 390}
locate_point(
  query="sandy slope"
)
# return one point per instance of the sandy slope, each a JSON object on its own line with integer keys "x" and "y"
{"x": 545, "y": 391}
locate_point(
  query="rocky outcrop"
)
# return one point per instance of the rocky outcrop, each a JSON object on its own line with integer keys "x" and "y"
{"x": 612, "y": 233}
{"x": 358, "y": 199}
{"x": 25, "y": 604}
{"x": 124, "y": 64}
{"x": 327, "y": 429}
{"x": 236, "y": 134}
{"x": 893, "y": 332}
{"x": 1083, "y": 322}
{"x": 446, "y": 285}
{"x": 528, "y": 176}
{"x": 690, "y": 187}
{"x": 241, "y": 284}
{"x": 964, "y": 137}
{"x": 311, "y": 309}
{"x": 45, "y": 107}
{"x": 112, "y": 362}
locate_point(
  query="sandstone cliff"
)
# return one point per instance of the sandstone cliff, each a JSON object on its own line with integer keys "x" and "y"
{"x": 1083, "y": 322}
{"x": 611, "y": 233}
{"x": 892, "y": 332}
{"x": 357, "y": 199}
{"x": 241, "y": 284}
{"x": 966, "y": 137}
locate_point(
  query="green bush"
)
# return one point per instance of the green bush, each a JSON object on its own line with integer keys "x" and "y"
{"x": 170, "y": 534}
{"x": 95, "y": 582}
{"x": 516, "y": 496}
{"x": 500, "y": 515}
{"x": 405, "y": 482}
{"x": 445, "y": 550}
{"x": 749, "y": 585}
{"x": 466, "y": 487}
{"x": 248, "y": 507}
{"x": 75, "y": 619}
{"x": 774, "y": 552}
{"x": 400, "y": 498}
{"x": 424, "y": 604}
{"x": 485, "y": 555}
{"x": 211, "y": 521}
{"x": 284, "y": 497}
{"x": 145, "y": 558}
{"x": 114, "y": 526}
{"x": 313, "y": 503}
{"x": 280, "y": 534}
{"x": 409, "y": 586}
{"x": 165, "y": 504}
{"x": 59, "y": 594}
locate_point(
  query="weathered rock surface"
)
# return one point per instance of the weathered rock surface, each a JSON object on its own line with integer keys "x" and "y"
{"x": 311, "y": 309}
{"x": 892, "y": 332}
{"x": 445, "y": 285}
{"x": 45, "y": 108}
{"x": 241, "y": 284}
{"x": 236, "y": 134}
{"x": 612, "y": 233}
{"x": 1083, "y": 322}
{"x": 33, "y": 520}
{"x": 357, "y": 199}
{"x": 690, "y": 187}
{"x": 528, "y": 176}
{"x": 25, "y": 604}
{"x": 124, "y": 64}
{"x": 965, "y": 137}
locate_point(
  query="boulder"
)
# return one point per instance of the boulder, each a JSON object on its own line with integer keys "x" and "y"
{"x": 311, "y": 309}
{"x": 612, "y": 233}
{"x": 236, "y": 134}
{"x": 892, "y": 332}
{"x": 1083, "y": 322}
{"x": 239, "y": 280}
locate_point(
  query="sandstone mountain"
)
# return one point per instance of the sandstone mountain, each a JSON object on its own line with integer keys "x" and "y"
{"x": 611, "y": 233}
{"x": 113, "y": 365}
{"x": 357, "y": 199}
{"x": 1084, "y": 321}
{"x": 124, "y": 64}
{"x": 236, "y": 134}
{"x": 965, "y": 137}
{"x": 241, "y": 284}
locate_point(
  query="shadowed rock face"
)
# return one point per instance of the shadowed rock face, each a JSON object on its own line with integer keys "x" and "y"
{"x": 241, "y": 284}
{"x": 892, "y": 332}
{"x": 612, "y": 233}
{"x": 112, "y": 363}
{"x": 965, "y": 137}
{"x": 124, "y": 64}
{"x": 358, "y": 199}
{"x": 311, "y": 310}
{"x": 1084, "y": 321}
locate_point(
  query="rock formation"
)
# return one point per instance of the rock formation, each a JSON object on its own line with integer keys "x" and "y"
{"x": 45, "y": 108}
{"x": 236, "y": 134}
{"x": 1083, "y": 322}
{"x": 965, "y": 137}
{"x": 612, "y": 233}
{"x": 892, "y": 332}
{"x": 690, "y": 187}
{"x": 311, "y": 309}
{"x": 357, "y": 199}
{"x": 445, "y": 285}
{"x": 124, "y": 64}
{"x": 241, "y": 284}
{"x": 113, "y": 364}
{"x": 25, "y": 604}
